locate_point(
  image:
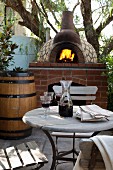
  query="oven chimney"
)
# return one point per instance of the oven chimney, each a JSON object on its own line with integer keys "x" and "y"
{"x": 67, "y": 32}
{"x": 67, "y": 21}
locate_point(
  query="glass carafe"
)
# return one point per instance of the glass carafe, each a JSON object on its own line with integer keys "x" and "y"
{"x": 65, "y": 103}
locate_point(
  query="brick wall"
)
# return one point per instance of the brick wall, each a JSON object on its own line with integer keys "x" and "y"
{"x": 85, "y": 74}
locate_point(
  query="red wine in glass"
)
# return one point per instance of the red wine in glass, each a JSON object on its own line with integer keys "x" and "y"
{"x": 58, "y": 98}
{"x": 50, "y": 94}
{"x": 45, "y": 105}
{"x": 45, "y": 102}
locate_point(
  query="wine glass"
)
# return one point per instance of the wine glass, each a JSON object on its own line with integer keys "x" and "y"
{"x": 51, "y": 94}
{"x": 58, "y": 96}
{"x": 45, "y": 101}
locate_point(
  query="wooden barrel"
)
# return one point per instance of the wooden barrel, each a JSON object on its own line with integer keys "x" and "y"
{"x": 17, "y": 96}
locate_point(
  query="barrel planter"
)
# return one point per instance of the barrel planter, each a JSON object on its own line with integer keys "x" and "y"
{"x": 17, "y": 96}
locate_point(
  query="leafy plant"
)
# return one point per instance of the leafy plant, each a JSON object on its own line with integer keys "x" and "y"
{"x": 7, "y": 47}
{"x": 18, "y": 69}
{"x": 109, "y": 72}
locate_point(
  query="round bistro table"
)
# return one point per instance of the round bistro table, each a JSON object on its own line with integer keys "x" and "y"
{"x": 54, "y": 123}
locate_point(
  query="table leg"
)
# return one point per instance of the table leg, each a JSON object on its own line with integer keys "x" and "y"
{"x": 55, "y": 157}
{"x": 53, "y": 149}
{"x": 59, "y": 156}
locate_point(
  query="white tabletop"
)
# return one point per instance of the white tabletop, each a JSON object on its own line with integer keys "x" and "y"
{"x": 59, "y": 124}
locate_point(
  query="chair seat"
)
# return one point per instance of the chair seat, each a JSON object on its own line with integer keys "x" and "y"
{"x": 71, "y": 135}
{"x": 22, "y": 157}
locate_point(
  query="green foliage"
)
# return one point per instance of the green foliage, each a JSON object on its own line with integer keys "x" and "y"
{"x": 55, "y": 9}
{"x": 109, "y": 66}
{"x": 42, "y": 31}
{"x": 56, "y": 5}
{"x": 18, "y": 69}
{"x": 6, "y": 47}
{"x": 111, "y": 11}
{"x": 105, "y": 8}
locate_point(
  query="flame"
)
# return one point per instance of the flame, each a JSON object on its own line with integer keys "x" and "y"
{"x": 66, "y": 54}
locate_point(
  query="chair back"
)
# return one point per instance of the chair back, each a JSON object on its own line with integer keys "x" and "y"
{"x": 80, "y": 92}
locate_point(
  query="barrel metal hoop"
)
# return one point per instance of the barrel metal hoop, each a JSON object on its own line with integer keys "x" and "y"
{"x": 17, "y": 95}
{"x": 11, "y": 118}
{"x": 17, "y": 81}
{"x": 16, "y": 131}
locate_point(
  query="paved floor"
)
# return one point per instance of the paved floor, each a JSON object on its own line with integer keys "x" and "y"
{"x": 44, "y": 144}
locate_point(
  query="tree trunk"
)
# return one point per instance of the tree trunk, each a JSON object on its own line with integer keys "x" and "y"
{"x": 90, "y": 32}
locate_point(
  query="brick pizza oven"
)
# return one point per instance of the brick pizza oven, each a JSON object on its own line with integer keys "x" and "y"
{"x": 50, "y": 69}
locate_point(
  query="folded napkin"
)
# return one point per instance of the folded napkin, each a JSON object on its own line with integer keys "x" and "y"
{"x": 92, "y": 113}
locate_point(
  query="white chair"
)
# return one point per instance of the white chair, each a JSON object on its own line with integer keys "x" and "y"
{"x": 90, "y": 157}
{"x": 78, "y": 93}
{"x": 23, "y": 156}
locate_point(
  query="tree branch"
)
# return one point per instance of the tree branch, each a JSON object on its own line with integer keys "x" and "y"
{"x": 107, "y": 48}
{"x": 104, "y": 24}
{"x": 75, "y": 6}
{"x": 53, "y": 13}
{"x": 46, "y": 16}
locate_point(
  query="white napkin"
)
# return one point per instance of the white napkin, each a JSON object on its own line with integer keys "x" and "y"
{"x": 92, "y": 113}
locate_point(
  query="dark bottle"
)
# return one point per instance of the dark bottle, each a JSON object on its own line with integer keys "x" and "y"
{"x": 66, "y": 111}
